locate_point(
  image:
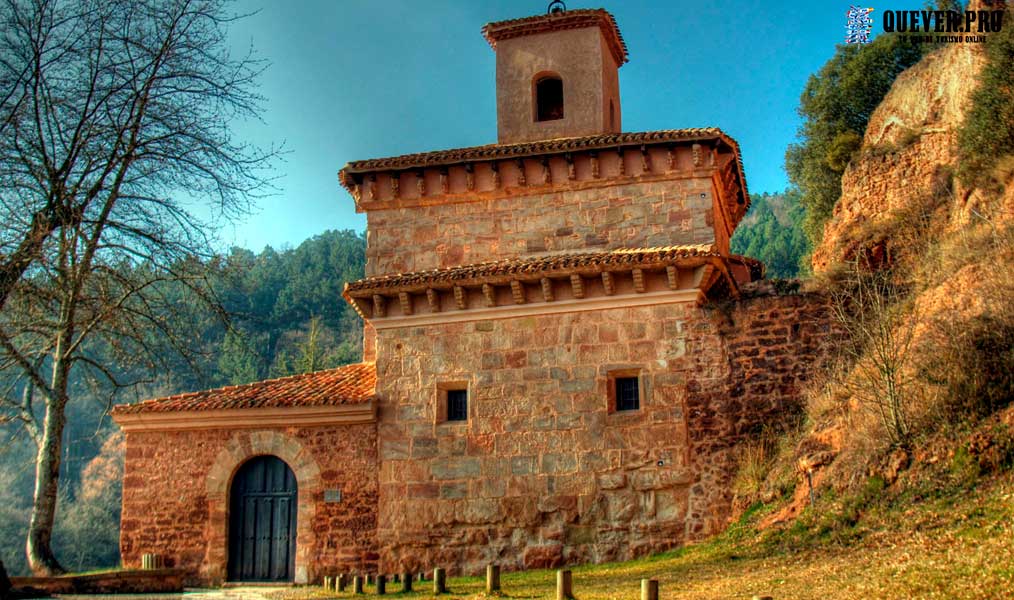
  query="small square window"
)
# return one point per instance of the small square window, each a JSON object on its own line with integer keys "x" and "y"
{"x": 627, "y": 397}
{"x": 457, "y": 405}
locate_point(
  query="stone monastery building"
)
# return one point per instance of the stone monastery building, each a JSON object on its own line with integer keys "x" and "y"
{"x": 560, "y": 355}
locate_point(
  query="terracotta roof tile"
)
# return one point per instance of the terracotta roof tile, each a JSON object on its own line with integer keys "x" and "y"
{"x": 532, "y": 267}
{"x": 556, "y": 145}
{"x": 348, "y": 175}
{"x": 351, "y": 384}
{"x": 569, "y": 19}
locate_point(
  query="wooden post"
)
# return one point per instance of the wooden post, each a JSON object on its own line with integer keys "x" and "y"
{"x": 152, "y": 561}
{"x": 357, "y": 584}
{"x": 341, "y": 582}
{"x": 564, "y": 585}
{"x": 439, "y": 581}
{"x": 492, "y": 578}
{"x": 406, "y": 581}
{"x": 649, "y": 589}
{"x": 381, "y": 585}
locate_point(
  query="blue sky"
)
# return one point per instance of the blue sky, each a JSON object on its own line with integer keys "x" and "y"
{"x": 353, "y": 79}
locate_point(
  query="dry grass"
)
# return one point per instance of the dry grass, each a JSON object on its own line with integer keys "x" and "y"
{"x": 942, "y": 346}
{"x": 959, "y": 546}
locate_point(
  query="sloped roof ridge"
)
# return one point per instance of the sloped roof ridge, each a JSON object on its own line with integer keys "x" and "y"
{"x": 340, "y": 385}
{"x": 529, "y": 264}
{"x": 493, "y": 151}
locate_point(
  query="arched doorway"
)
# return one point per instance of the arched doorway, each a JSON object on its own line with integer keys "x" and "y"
{"x": 262, "y": 521}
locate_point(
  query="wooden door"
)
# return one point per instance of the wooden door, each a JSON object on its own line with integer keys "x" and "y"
{"x": 262, "y": 521}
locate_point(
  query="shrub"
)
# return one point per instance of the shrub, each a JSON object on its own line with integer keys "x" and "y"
{"x": 873, "y": 311}
{"x": 974, "y": 364}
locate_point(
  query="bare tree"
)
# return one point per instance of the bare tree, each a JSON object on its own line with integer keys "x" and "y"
{"x": 114, "y": 120}
{"x": 878, "y": 351}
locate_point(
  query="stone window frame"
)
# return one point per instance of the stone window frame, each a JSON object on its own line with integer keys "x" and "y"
{"x": 441, "y": 401}
{"x": 642, "y": 390}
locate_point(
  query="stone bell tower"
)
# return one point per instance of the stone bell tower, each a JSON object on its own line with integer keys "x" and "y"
{"x": 557, "y": 74}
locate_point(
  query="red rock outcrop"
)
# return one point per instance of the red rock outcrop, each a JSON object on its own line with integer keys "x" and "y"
{"x": 908, "y": 153}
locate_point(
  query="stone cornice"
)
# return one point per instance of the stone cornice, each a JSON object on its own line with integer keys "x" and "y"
{"x": 490, "y": 152}
{"x": 568, "y": 19}
{"x": 551, "y": 283}
{"x": 535, "y": 268}
{"x": 527, "y": 310}
{"x": 246, "y": 418}
{"x": 467, "y": 174}
{"x": 546, "y": 285}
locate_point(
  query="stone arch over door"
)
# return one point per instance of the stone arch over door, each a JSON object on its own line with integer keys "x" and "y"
{"x": 239, "y": 449}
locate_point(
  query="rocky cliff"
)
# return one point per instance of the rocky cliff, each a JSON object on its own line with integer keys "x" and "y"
{"x": 901, "y": 205}
{"x": 908, "y": 158}
{"x": 905, "y": 168}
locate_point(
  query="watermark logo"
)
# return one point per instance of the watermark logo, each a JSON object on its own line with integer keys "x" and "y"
{"x": 933, "y": 22}
{"x": 858, "y": 25}
{"x": 924, "y": 26}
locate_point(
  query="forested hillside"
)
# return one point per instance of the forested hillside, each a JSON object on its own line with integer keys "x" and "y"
{"x": 285, "y": 315}
{"x": 772, "y": 232}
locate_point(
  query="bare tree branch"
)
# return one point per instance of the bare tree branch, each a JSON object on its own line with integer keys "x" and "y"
{"x": 114, "y": 116}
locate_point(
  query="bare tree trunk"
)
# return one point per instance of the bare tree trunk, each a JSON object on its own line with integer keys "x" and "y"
{"x": 85, "y": 148}
{"x": 5, "y": 582}
{"x": 44, "y": 222}
{"x": 41, "y": 559}
{"x": 39, "y": 548}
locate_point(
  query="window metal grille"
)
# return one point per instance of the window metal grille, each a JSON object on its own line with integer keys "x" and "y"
{"x": 626, "y": 394}
{"x": 457, "y": 405}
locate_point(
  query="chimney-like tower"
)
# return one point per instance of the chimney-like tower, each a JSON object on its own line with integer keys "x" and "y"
{"x": 557, "y": 75}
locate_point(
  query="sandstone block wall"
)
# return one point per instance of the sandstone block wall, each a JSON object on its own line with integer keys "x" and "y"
{"x": 770, "y": 347}
{"x": 176, "y": 486}
{"x": 657, "y": 213}
{"x": 544, "y": 472}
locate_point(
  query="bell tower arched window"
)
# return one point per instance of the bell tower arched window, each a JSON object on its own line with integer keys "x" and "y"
{"x": 548, "y": 98}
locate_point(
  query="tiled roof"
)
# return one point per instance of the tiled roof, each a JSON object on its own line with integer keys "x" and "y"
{"x": 569, "y": 19}
{"x": 533, "y": 267}
{"x": 491, "y": 152}
{"x": 351, "y": 384}
{"x": 552, "y": 146}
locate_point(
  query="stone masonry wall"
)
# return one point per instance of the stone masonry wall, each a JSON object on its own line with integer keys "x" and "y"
{"x": 771, "y": 345}
{"x": 175, "y": 496}
{"x": 544, "y": 473}
{"x": 656, "y": 213}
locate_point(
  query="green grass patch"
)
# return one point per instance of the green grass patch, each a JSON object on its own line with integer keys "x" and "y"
{"x": 870, "y": 544}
